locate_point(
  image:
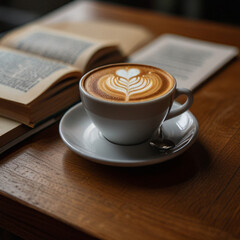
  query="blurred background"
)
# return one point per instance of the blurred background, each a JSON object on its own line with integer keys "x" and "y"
{"x": 16, "y": 12}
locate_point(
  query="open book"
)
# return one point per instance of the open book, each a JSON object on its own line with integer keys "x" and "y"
{"x": 41, "y": 65}
{"x": 41, "y": 68}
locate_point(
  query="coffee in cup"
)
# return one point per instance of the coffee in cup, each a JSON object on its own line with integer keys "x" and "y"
{"x": 128, "y": 102}
{"x": 128, "y": 84}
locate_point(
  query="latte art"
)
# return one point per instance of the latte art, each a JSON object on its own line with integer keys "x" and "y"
{"x": 128, "y": 83}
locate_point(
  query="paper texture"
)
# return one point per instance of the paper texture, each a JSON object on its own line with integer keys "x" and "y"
{"x": 23, "y": 77}
{"x": 190, "y": 61}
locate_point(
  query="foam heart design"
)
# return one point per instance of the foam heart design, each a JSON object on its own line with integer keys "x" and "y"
{"x": 127, "y": 74}
{"x": 130, "y": 84}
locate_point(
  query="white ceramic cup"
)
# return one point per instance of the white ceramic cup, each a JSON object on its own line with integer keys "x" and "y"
{"x": 132, "y": 122}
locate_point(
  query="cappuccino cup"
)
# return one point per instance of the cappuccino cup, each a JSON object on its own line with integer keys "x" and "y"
{"x": 128, "y": 102}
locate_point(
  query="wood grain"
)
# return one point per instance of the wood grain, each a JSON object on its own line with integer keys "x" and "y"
{"x": 48, "y": 192}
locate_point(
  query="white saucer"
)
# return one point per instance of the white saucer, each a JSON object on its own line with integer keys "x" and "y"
{"x": 81, "y": 136}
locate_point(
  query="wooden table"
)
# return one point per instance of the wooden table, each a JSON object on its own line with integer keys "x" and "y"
{"x": 48, "y": 192}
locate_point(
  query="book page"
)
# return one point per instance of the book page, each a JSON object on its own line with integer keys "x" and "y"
{"x": 53, "y": 44}
{"x": 24, "y": 77}
{"x": 190, "y": 61}
{"x": 129, "y": 37}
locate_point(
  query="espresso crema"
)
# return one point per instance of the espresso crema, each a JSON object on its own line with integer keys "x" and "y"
{"x": 128, "y": 83}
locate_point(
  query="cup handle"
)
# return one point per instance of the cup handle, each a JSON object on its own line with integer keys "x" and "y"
{"x": 184, "y": 107}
